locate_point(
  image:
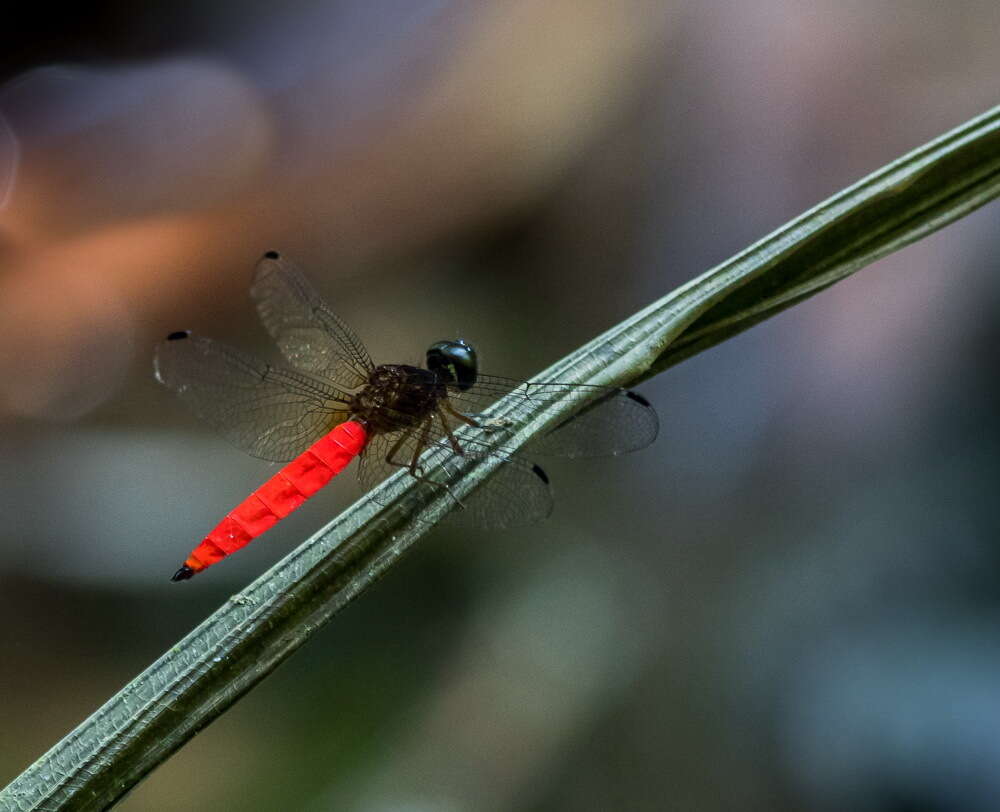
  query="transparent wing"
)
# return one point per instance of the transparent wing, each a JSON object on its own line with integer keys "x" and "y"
{"x": 608, "y": 420}
{"x": 267, "y": 411}
{"x": 517, "y": 494}
{"x": 310, "y": 335}
{"x": 616, "y": 422}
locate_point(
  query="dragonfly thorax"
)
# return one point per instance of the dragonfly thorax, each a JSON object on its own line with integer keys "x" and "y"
{"x": 397, "y": 396}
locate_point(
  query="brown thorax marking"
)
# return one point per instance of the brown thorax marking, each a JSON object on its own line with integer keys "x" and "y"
{"x": 397, "y": 396}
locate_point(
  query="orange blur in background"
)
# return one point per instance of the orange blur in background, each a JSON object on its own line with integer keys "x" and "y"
{"x": 787, "y": 603}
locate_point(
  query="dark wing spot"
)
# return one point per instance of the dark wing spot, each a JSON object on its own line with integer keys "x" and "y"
{"x": 272, "y": 255}
{"x": 540, "y": 473}
{"x": 178, "y": 335}
{"x": 638, "y": 398}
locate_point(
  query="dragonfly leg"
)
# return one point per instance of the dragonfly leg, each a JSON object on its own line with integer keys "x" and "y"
{"x": 451, "y": 437}
{"x": 416, "y": 470}
{"x": 395, "y": 449}
{"x": 463, "y": 417}
{"x": 488, "y": 424}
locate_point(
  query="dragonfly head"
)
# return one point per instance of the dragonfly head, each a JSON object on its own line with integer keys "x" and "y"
{"x": 454, "y": 361}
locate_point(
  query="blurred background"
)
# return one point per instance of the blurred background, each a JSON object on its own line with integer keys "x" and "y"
{"x": 789, "y": 602}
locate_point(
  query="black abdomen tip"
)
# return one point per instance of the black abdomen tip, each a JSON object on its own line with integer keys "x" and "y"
{"x": 182, "y": 574}
{"x": 540, "y": 473}
{"x": 178, "y": 335}
{"x": 272, "y": 255}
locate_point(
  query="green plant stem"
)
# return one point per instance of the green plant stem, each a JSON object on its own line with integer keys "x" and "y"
{"x": 241, "y": 642}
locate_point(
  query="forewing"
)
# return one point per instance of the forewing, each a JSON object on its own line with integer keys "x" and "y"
{"x": 310, "y": 335}
{"x": 267, "y": 411}
{"x": 616, "y": 422}
{"x": 606, "y": 421}
{"x": 517, "y": 494}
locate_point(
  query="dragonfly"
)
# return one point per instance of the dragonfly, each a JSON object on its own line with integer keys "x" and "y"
{"x": 330, "y": 403}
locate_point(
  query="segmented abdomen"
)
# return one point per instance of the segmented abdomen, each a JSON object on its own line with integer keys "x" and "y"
{"x": 281, "y": 494}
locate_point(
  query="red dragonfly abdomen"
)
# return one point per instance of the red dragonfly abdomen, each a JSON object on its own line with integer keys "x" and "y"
{"x": 279, "y": 496}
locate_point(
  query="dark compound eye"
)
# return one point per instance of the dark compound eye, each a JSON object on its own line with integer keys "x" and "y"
{"x": 454, "y": 361}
